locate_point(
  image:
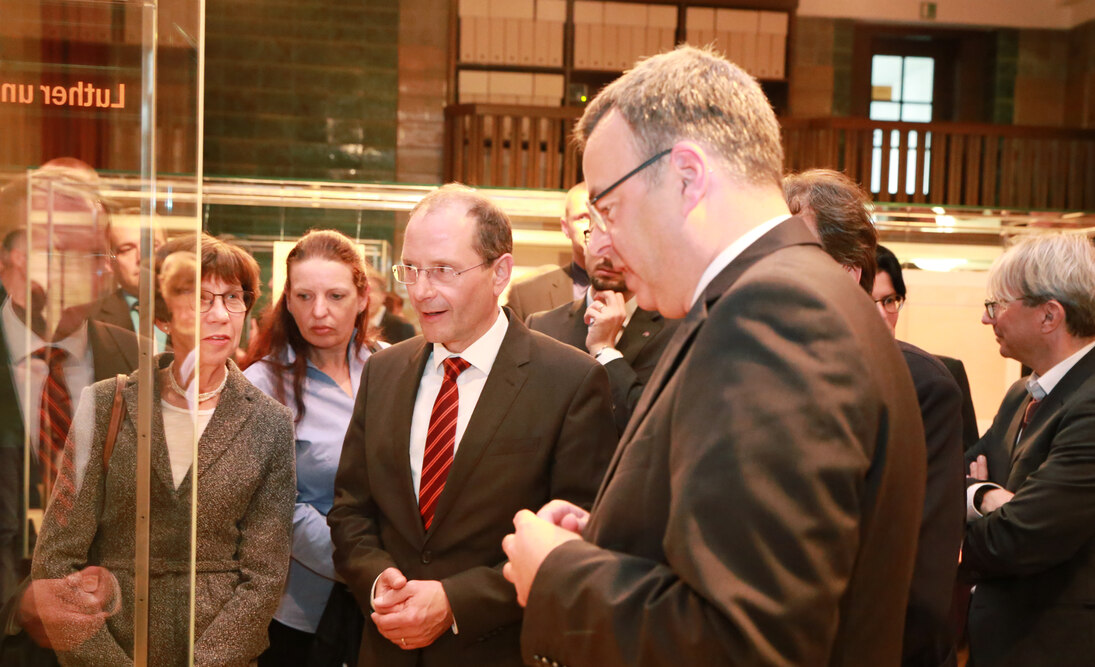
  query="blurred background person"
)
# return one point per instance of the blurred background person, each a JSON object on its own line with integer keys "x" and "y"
{"x": 385, "y": 324}
{"x": 245, "y": 492}
{"x": 309, "y": 357}
{"x": 50, "y": 353}
{"x": 119, "y": 307}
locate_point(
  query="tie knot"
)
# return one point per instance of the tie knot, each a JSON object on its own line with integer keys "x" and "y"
{"x": 454, "y": 366}
{"x": 51, "y": 355}
{"x": 1029, "y": 412}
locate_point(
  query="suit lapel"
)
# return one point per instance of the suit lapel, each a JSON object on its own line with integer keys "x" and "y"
{"x": 1053, "y": 402}
{"x": 506, "y": 378}
{"x": 642, "y": 328}
{"x": 405, "y": 391}
{"x": 233, "y": 411}
{"x": 161, "y": 464}
{"x": 788, "y": 233}
{"x": 576, "y": 329}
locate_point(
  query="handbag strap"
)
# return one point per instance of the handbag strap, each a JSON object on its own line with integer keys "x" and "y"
{"x": 115, "y": 420}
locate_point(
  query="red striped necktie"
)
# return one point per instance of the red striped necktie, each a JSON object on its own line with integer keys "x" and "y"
{"x": 440, "y": 440}
{"x": 54, "y": 415}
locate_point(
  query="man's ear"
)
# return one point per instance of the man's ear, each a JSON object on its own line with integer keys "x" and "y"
{"x": 503, "y": 269}
{"x": 691, "y": 165}
{"x": 1053, "y": 315}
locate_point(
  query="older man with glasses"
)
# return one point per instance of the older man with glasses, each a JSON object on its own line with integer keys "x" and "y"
{"x": 764, "y": 502}
{"x": 453, "y": 432}
{"x": 1030, "y": 536}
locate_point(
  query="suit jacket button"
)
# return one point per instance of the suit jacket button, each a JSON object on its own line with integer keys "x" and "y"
{"x": 426, "y": 557}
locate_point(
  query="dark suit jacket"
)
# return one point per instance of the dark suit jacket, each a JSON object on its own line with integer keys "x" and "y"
{"x": 542, "y": 429}
{"x": 113, "y": 351}
{"x": 1033, "y": 560}
{"x": 642, "y": 342}
{"x": 541, "y": 292}
{"x": 928, "y": 641}
{"x": 970, "y": 433}
{"x": 395, "y": 329}
{"x": 763, "y": 504}
{"x": 112, "y": 309}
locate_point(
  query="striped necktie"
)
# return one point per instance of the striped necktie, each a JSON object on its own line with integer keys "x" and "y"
{"x": 54, "y": 415}
{"x": 440, "y": 440}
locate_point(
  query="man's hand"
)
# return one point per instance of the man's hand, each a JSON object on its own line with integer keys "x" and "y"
{"x": 605, "y": 317}
{"x": 993, "y": 499}
{"x": 527, "y": 547}
{"x": 566, "y": 515}
{"x": 389, "y": 592}
{"x": 413, "y": 615}
{"x": 64, "y": 613}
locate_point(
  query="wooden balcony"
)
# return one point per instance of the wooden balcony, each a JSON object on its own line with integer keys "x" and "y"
{"x": 992, "y": 166}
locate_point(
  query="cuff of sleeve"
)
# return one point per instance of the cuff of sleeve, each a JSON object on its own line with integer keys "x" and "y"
{"x": 372, "y": 593}
{"x": 607, "y": 354}
{"x": 972, "y": 512}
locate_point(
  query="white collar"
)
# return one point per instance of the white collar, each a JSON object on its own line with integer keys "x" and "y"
{"x": 731, "y": 252}
{"x": 1040, "y": 386}
{"x": 480, "y": 354}
{"x": 21, "y": 347}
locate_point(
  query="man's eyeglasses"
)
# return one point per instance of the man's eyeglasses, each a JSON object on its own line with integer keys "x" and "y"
{"x": 235, "y": 301}
{"x": 591, "y": 204}
{"x": 997, "y": 306}
{"x": 892, "y": 304}
{"x": 405, "y": 274}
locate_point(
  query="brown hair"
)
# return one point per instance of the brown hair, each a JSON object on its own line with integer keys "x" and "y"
{"x": 842, "y": 215}
{"x": 280, "y": 331}
{"x": 219, "y": 259}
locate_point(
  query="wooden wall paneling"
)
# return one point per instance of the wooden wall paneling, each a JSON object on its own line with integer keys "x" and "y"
{"x": 554, "y": 145}
{"x": 1008, "y": 153}
{"x": 496, "y": 150}
{"x": 938, "y": 174}
{"x": 1023, "y": 172}
{"x": 536, "y": 153}
{"x": 1089, "y": 176}
{"x": 866, "y": 156}
{"x": 571, "y": 159}
{"x": 1074, "y": 177}
{"x": 476, "y": 159}
{"x": 1058, "y": 181}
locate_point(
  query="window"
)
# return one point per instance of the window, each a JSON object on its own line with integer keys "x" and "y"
{"x": 901, "y": 90}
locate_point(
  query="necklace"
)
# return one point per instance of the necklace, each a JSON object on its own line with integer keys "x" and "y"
{"x": 203, "y": 397}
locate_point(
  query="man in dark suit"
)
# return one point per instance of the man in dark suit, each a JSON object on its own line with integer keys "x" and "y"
{"x": 91, "y": 351}
{"x": 452, "y": 433}
{"x": 763, "y": 504}
{"x": 837, "y": 209}
{"x": 608, "y": 324}
{"x": 389, "y": 327}
{"x": 560, "y": 285}
{"x": 1030, "y": 536}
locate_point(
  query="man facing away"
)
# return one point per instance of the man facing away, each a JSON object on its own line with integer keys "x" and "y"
{"x": 763, "y": 504}
{"x": 453, "y": 432}
{"x": 560, "y": 285}
{"x": 838, "y": 210}
{"x": 1030, "y": 536}
{"x": 606, "y": 322}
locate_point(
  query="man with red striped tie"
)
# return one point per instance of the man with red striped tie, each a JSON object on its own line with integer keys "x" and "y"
{"x": 453, "y": 432}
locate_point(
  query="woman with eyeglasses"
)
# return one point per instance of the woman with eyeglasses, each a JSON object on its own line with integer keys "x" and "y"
{"x": 243, "y": 475}
{"x": 309, "y": 357}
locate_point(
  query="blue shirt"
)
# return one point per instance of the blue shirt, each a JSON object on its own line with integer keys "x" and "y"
{"x": 319, "y": 436}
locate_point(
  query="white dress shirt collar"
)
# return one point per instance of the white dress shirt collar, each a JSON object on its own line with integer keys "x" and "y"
{"x": 20, "y": 346}
{"x": 481, "y": 353}
{"x": 731, "y": 252}
{"x": 1040, "y": 386}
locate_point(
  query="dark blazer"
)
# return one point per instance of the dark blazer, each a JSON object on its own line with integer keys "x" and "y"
{"x": 113, "y": 309}
{"x": 1033, "y": 560}
{"x": 395, "y": 329}
{"x": 928, "y": 640}
{"x": 970, "y": 433}
{"x": 541, "y": 292}
{"x": 542, "y": 429}
{"x": 642, "y": 342}
{"x": 764, "y": 502}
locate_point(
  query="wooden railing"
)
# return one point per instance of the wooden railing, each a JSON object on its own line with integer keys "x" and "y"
{"x": 995, "y": 166}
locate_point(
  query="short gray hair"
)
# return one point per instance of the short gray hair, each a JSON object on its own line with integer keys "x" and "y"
{"x": 1052, "y": 266}
{"x": 695, "y": 94}
{"x": 494, "y": 236}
